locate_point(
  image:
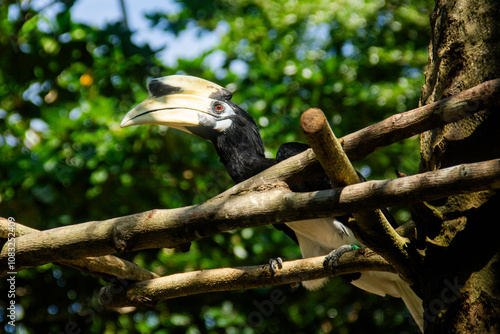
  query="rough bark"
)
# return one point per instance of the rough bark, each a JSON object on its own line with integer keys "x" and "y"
{"x": 254, "y": 207}
{"x": 461, "y": 284}
{"x": 395, "y": 128}
{"x": 152, "y": 291}
{"x": 370, "y": 226}
{"x": 108, "y": 267}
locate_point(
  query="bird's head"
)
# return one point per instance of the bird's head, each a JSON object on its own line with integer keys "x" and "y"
{"x": 202, "y": 108}
{"x": 190, "y": 104}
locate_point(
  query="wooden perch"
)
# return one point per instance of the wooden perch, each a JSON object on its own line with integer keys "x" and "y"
{"x": 171, "y": 228}
{"x": 395, "y": 128}
{"x": 407, "y": 124}
{"x": 371, "y": 226}
{"x": 149, "y": 293}
{"x": 107, "y": 266}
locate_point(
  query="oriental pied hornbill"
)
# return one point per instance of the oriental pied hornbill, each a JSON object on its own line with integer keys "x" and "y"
{"x": 202, "y": 108}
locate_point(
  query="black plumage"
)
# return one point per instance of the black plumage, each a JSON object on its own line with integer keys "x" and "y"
{"x": 204, "y": 109}
{"x": 240, "y": 147}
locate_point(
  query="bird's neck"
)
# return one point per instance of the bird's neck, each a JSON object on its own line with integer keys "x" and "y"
{"x": 243, "y": 157}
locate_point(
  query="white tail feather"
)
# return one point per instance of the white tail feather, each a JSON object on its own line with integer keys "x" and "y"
{"x": 319, "y": 236}
{"x": 414, "y": 305}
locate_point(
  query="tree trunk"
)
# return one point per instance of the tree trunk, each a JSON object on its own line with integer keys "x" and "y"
{"x": 461, "y": 284}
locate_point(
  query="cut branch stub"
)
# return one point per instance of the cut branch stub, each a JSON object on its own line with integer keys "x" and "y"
{"x": 371, "y": 227}
{"x": 328, "y": 148}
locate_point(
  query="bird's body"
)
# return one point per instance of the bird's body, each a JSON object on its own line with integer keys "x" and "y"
{"x": 204, "y": 109}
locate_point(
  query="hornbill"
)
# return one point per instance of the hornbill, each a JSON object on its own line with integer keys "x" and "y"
{"x": 204, "y": 109}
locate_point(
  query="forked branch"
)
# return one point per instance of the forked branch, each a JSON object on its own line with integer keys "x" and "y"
{"x": 150, "y": 292}
{"x": 371, "y": 226}
{"x": 174, "y": 227}
{"x": 107, "y": 266}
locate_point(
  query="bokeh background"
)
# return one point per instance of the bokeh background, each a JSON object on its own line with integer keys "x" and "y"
{"x": 70, "y": 70}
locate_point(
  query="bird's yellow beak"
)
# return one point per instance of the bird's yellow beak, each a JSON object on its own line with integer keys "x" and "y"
{"x": 176, "y": 101}
{"x": 176, "y": 110}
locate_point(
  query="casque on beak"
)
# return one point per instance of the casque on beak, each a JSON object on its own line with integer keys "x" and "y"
{"x": 176, "y": 101}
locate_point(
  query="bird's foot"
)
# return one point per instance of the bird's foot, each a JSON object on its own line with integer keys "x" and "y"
{"x": 274, "y": 264}
{"x": 332, "y": 259}
{"x": 294, "y": 287}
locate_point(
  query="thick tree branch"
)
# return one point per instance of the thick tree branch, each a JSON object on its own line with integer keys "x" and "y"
{"x": 151, "y": 292}
{"x": 371, "y": 226}
{"x": 171, "y": 228}
{"x": 224, "y": 279}
{"x": 400, "y": 126}
{"x": 107, "y": 266}
{"x": 431, "y": 116}
{"x": 148, "y": 230}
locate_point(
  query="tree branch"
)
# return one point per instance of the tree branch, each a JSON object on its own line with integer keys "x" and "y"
{"x": 224, "y": 279}
{"x": 371, "y": 226}
{"x": 148, "y": 230}
{"x": 400, "y": 126}
{"x": 107, "y": 266}
{"x": 147, "y": 293}
{"x": 171, "y": 228}
{"x": 431, "y": 116}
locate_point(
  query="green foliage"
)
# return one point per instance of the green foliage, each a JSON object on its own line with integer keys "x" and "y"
{"x": 64, "y": 88}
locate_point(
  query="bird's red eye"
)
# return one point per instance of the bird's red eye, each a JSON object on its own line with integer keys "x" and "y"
{"x": 219, "y": 107}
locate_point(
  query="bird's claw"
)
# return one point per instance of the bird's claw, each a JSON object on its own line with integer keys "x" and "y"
{"x": 274, "y": 264}
{"x": 332, "y": 259}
